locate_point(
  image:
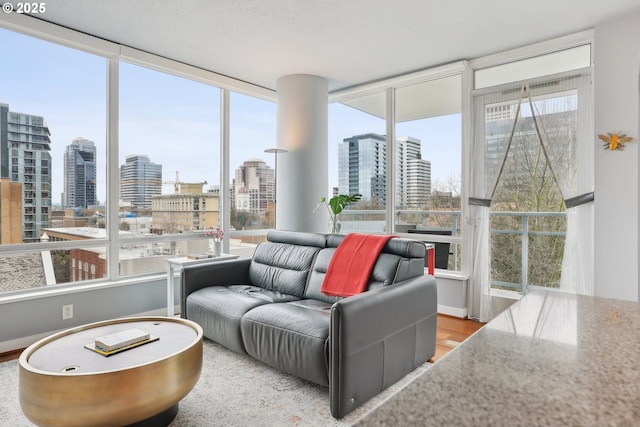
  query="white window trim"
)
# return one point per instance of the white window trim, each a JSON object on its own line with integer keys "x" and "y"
{"x": 397, "y": 82}
{"x": 530, "y": 51}
{"x": 389, "y": 86}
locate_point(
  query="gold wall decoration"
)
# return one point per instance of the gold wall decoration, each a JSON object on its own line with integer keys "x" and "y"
{"x": 615, "y": 141}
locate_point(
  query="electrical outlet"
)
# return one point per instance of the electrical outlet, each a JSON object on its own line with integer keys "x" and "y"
{"x": 67, "y": 311}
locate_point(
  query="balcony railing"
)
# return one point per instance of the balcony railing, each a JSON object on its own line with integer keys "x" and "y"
{"x": 538, "y": 227}
{"x": 546, "y": 232}
{"x": 527, "y": 247}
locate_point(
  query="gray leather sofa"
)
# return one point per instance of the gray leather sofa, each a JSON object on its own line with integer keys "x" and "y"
{"x": 271, "y": 308}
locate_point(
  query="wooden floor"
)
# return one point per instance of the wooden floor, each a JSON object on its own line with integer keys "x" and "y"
{"x": 4, "y": 357}
{"x": 451, "y": 332}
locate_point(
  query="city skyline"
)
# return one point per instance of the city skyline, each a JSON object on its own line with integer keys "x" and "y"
{"x": 71, "y": 96}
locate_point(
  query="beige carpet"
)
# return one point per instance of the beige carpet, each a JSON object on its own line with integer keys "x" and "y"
{"x": 233, "y": 390}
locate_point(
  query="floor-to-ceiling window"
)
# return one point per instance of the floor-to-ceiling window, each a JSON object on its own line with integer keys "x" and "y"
{"x": 420, "y": 193}
{"x": 357, "y": 161}
{"x": 253, "y": 161}
{"x": 428, "y": 171}
{"x": 111, "y": 160}
{"x": 53, "y": 157}
{"x": 532, "y": 176}
{"x": 169, "y": 161}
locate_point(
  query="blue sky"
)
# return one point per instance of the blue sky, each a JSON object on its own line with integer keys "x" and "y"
{"x": 173, "y": 120}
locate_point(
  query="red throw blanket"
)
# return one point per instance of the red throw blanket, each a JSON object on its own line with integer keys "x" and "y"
{"x": 351, "y": 265}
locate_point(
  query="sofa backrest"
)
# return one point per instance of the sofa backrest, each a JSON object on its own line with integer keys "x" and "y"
{"x": 283, "y": 262}
{"x": 400, "y": 259}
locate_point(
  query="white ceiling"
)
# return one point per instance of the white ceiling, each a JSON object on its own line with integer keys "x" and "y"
{"x": 347, "y": 41}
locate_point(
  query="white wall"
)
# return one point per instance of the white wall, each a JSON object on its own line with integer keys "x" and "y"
{"x": 617, "y": 186}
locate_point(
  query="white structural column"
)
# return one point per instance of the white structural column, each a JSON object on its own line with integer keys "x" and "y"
{"x": 302, "y": 176}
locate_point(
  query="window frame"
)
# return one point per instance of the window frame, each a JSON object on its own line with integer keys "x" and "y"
{"x": 389, "y": 86}
{"x": 114, "y": 53}
{"x": 523, "y": 53}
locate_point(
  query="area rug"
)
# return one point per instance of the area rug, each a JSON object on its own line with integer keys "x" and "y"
{"x": 233, "y": 390}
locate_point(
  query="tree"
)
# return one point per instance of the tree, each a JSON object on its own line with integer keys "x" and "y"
{"x": 242, "y": 220}
{"x": 60, "y": 261}
{"x": 528, "y": 185}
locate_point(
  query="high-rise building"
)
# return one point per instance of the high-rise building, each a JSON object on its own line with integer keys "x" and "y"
{"x": 361, "y": 166}
{"x": 254, "y": 187}
{"x": 140, "y": 180}
{"x": 79, "y": 174}
{"x": 25, "y": 158}
{"x": 362, "y": 169}
{"x": 413, "y": 173}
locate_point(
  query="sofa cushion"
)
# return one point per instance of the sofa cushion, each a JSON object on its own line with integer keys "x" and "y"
{"x": 316, "y": 277}
{"x": 218, "y": 309}
{"x": 385, "y": 272}
{"x": 297, "y": 238}
{"x": 282, "y": 267}
{"x": 407, "y": 248}
{"x": 291, "y": 337}
{"x": 400, "y": 259}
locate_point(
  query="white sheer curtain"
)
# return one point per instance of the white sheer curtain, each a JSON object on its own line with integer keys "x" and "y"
{"x": 570, "y": 155}
{"x": 556, "y": 110}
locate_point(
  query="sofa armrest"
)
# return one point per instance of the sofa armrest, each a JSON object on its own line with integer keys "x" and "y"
{"x": 378, "y": 337}
{"x": 195, "y": 277}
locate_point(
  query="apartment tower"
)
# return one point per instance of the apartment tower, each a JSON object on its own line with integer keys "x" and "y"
{"x": 79, "y": 174}
{"x": 140, "y": 180}
{"x": 362, "y": 167}
{"x": 413, "y": 174}
{"x": 25, "y": 161}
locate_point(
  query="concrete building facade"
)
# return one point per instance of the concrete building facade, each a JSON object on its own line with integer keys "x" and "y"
{"x": 25, "y": 158}
{"x": 190, "y": 209}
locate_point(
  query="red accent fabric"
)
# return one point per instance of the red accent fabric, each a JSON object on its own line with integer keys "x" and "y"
{"x": 431, "y": 250}
{"x": 351, "y": 265}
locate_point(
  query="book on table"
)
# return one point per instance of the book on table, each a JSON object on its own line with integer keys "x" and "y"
{"x": 121, "y": 339}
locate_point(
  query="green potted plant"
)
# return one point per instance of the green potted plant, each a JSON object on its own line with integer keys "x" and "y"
{"x": 335, "y": 206}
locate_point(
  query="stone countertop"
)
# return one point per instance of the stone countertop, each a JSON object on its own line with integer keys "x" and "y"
{"x": 551, "y": 359}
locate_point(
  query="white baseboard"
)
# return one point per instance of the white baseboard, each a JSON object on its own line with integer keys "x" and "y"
{"x": 22, "y": 342}
{"x": 452, "y": 311}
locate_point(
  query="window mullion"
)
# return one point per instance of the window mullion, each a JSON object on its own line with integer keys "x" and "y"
{"x": 224, "y": 200}
{"x": 391, "y": 159}
{"x": 113, "y": 169}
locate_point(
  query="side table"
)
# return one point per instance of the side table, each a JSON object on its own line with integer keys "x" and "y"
{"x": 175, "y": 265}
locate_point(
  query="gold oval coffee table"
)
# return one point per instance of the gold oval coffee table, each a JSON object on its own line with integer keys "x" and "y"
{"x": 62, "y": 383}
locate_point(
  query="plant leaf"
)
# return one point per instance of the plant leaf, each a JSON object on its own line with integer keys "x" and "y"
{"x": 336, "y": 206}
